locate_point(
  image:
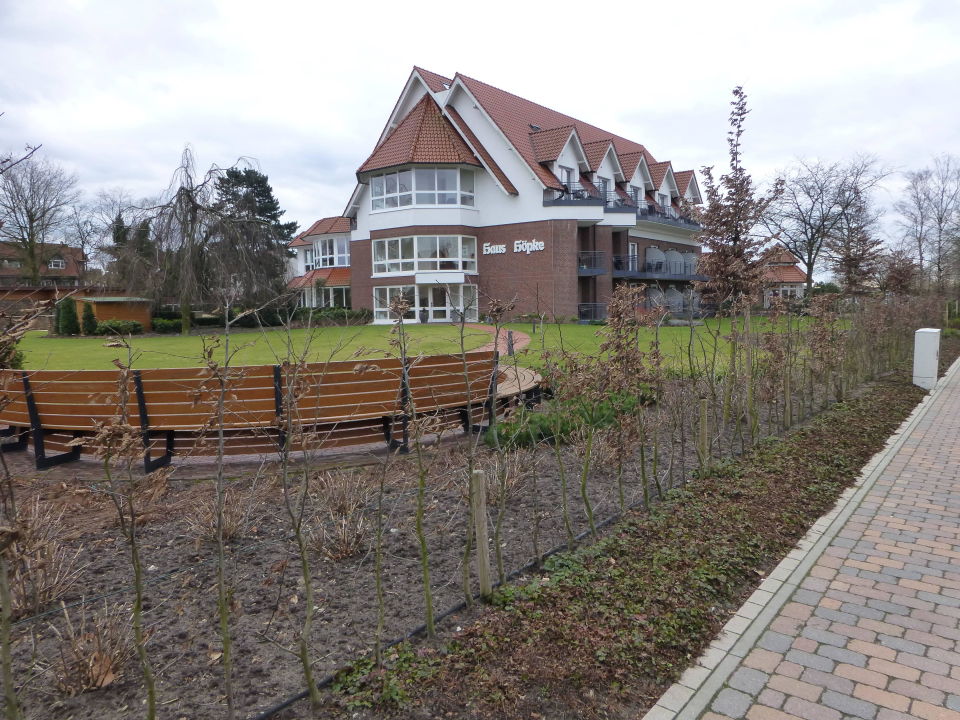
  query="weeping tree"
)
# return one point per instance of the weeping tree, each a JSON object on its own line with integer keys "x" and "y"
{"x": 221, "y": 237}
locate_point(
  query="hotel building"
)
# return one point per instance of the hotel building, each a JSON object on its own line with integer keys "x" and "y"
{"x": 473, "y": 193}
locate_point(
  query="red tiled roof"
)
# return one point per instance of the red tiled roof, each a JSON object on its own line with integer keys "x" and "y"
{"x": 332, "y": 277}
{"x": 548, "y": 144}
{"x": 480, "y": 150}
{"x": 779, "y": 255}
{"x": 423, "y": 136}
{"x": 784, "y": 274}
{"x": 327, "y": 225}
{"x": 658, "y": 171}
{"x": 73, "y": 257}
{"x": 299, "y": 241}
{"x": 436, "y": 83}
{"x": 514, "y": 115}
{"x": 683, "y": 178}
{"x": 782, "y": 267}
{"x": 595, "y": 152}
{"x": 629, "y": 162}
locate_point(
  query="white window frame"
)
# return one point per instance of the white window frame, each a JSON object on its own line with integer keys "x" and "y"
{"x": 418, "y": 186}
{"x": 458, "y": 298}
{"x": 423, "y": 253}
{"x": 308, "y": 259}
{"x": 57, "y": 264}
{"x": 383, "y": 296}
{"x": 332, "y": 252}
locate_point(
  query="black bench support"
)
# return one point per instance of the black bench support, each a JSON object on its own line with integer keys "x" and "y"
{"x": 149, "y": 465}
{"x": 38, "y": 434}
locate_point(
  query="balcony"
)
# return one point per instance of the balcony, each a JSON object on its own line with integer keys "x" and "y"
{"x": 591, "y": 263}
{"x": 586, "y": 194}
{"x": 574, "y": 194}
{"x": 591, "y": 312}
{"x": 631, "y": 267}
{"x": 651, "y": 212}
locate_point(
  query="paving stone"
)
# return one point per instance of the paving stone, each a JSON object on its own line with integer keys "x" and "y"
{"x": 848, "y": 705}
{"x": 842, "y": 655}
{"x": 882, "y": 698}
{"x": 806, "y": 659}
{"x": 798, "y": 688}
{"x": 748, "y": 680}
{"x": 825, "y": 637}
{"x": 901, "y": 644}
{"x": 809, "y": 710}
{"x": 775, "y": 642}
{"x": 917, "y": 691}
{"x": 771, "y": 698}
{"x": 732, "y": 703}
{"x": 834, "y": 682}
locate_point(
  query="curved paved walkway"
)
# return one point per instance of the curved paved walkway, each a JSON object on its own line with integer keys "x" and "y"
{"x": 520, "y": 339}
{"x": 862, "y": 620}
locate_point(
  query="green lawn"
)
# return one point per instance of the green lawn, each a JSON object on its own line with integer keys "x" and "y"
{"x": 262, "y": 347}
{"x": 256, "y": 347}
{"x": 587, "y": 339}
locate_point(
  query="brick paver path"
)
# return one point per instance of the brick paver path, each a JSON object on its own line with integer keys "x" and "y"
{"x": 520, "y": 339}
{"x": 874, "y": 630}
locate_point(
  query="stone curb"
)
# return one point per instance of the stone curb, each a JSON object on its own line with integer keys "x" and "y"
{"x": 690, "y": 696}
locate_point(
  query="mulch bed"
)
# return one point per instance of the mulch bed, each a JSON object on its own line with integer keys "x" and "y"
{"x": 613, "y": 625}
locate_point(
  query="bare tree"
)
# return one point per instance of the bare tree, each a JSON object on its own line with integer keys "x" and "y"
{"x": 11, "y": 160}
{"x": 35, "y": 200}
{"x": 815, "y": 200}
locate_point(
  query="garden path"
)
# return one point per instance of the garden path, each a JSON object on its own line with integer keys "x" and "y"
{"x": 862, "y": 619}
{"x": 520, "y": 339}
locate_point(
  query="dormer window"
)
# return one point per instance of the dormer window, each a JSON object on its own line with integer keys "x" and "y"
{"x": 664, "y": 200}
{"x": 565, "y": 175}
{"x": 635, "y": 194}
{"x": 57, "y": 264}
{"x": 422, "y": 186}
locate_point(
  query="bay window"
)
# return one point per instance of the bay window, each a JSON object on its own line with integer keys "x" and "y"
{"x": 425, "y": 252}
{"x": 422, "y": 186}
{"x": 384, "y": 296}
{"x": 333, "y": 252}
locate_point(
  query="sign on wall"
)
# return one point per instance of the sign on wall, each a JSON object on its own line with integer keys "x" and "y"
{"x": 519, "y": 246}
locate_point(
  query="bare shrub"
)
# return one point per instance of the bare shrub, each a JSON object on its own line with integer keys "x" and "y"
{"x": 240, "y": 514}
{"x": 339, "y": 527}
{"x": 94, "y": 653}
{"x": 43, "y": 568}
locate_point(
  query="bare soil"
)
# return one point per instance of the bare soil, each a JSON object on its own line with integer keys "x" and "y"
{"x": 263, "y": 569}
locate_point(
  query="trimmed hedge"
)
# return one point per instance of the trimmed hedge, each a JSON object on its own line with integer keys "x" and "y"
{"x": 329, "y": 317}
{"x": 119, "y": 327}
{"x": 166, "y": 325}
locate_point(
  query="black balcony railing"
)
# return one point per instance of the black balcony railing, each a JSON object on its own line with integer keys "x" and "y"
{"x": 591, "y": 312}
{"x": 591, "y": 263}
{"x": 575, "y": 193}
{"x": 660, "y": 213}
{"x": 631, "y": 266}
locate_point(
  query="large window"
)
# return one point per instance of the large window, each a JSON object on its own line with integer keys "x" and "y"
{"x": 308, "y": 259}
{"x": 384, "y": 296}
{"x": 425, "y": 252}
{"x": 422, "y": 186}
{"x": 431, "y": 303}
{"x": 333, "y": 252}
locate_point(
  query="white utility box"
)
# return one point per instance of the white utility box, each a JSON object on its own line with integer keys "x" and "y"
{"x": 926, "y": 357}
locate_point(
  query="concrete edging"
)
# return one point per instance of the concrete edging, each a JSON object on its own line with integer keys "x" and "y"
{"x": 690, "y": 696}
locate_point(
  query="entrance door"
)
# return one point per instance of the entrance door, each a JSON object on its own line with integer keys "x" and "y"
{"x": 634, "y": 257}
{"x": 444, "y": 303}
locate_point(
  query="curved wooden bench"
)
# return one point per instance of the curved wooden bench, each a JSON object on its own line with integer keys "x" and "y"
{"x": 318, "y": 405}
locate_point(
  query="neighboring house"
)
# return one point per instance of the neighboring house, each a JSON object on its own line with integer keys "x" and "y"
{"x": 61, "y": 266}
{"x": 321, "y": 267}
{"x": 783, "y": 277}
{"x": 474, "y": 193}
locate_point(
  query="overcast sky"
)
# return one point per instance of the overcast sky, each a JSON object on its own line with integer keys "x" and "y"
{"x": 114, "y": 90}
